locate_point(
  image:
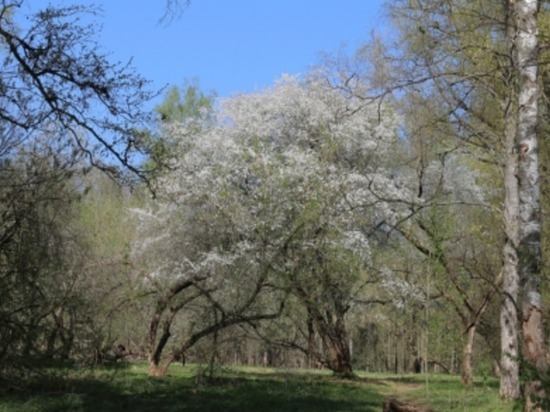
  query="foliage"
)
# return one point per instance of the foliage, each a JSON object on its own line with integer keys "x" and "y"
{"x": 187, "y": 105}
{"x": 184, "y": 104}
{"x": 63, "y": 108}
{"x": 455, "y": 65}
{"x": 111, "y": 294}
{"x": 39, "y": 258}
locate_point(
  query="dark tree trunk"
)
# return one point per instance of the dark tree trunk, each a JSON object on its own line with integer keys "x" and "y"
{"x": 311, "y": 358}
{"x": 337, "y": 356}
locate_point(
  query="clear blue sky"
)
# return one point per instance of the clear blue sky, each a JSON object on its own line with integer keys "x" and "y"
{"x": 230, "y": 46}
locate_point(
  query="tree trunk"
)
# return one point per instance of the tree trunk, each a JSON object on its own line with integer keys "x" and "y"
{"x": 509, "y": 359}
{"x": 339, "y": 358}
{"x": 331, "y": 327}
{"x": 50, "y": 344}
{"x": 159, "y": 367}
{"x": 467, "y": 356}
{"x": 311, "y": 358}
{"x": 335, "y": 343}
{"x": 530, "y": 220}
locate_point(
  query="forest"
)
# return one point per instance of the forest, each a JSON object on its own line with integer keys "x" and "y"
{"x": 381, "y": 213}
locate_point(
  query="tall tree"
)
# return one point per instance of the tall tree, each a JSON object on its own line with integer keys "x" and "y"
{"x": 509, "y": 316}
{"x": 63, "y": 108}
{"x": 464, "y": 54}
{"x": 39, "y": 258}
{"x": 530, "y": 223}
{"x": 302, "y": 141}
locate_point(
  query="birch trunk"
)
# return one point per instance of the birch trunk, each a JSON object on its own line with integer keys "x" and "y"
{"x": 509, "y": 362}
{"x": 509, "y": 325}
{"x": 529, "y": 252}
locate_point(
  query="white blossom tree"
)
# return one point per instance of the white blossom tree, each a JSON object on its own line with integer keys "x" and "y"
{"x": 272, "y": 198}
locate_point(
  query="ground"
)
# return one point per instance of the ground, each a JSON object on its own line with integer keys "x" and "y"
{"x": 128, "y": 388}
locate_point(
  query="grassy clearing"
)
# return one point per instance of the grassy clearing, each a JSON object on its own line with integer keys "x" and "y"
{"x": 245, "y": 389}
{"x": 444, "y": 392}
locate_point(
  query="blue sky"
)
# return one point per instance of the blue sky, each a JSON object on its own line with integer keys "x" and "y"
{"x": 230, "y": 46}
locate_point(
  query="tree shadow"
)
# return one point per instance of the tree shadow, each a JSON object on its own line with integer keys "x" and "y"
{"x": 128, "y": 392}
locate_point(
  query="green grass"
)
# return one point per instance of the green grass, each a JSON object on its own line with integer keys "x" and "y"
{"x": 446, "y": 393}
{"x": 245, "y": 389}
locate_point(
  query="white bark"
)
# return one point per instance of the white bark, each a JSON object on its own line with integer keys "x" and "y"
{"x": 530, "y": 222}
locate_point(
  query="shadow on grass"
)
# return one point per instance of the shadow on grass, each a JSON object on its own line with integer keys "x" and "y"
{"x": 438, "y": 379}
{"x": 123, "y": 391}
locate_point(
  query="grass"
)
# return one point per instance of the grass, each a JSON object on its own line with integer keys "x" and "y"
{"x": 245, "y": 389}
{"x": 446, "y": 393}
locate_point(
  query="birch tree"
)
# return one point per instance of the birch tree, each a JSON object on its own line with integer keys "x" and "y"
{"x": 509, "y": 316}
{"x": 534, "y": 346}
{"x": 449, "y": 43}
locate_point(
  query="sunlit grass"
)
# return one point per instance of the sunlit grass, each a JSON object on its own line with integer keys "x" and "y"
{"x": 129, "y": 388}
{"x": 444, "y": 392}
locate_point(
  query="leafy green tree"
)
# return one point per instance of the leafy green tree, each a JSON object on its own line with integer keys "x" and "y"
{"x": 463, "y": 64}
{"x": 113, "y": 299}
{"x": 475, "y": 69}
{"x": 447, "y": 134}
{"x": 63, "y": 108}
{"x": 185, "y": 103}
{"x": 39, "y": 259}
